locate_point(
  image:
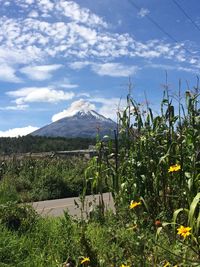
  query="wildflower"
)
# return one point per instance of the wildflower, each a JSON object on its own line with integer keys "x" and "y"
{"x": 158, "y": 223}
{"x": 125, "y": 265}
{"x": 134, "y": 204}
{"x": 184, "y": 231}
{"x": 85, "y": 260}
{"x": 174, "y": 168}
{"x": 166, "y": 264}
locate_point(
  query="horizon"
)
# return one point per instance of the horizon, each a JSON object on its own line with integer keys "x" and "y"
{"x": 58, "y": 57}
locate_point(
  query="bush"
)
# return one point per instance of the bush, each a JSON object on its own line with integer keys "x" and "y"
{"x": 34, "y": 180}
{"x": 17, "y": 217}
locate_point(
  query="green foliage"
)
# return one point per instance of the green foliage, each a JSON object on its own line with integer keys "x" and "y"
{"x": 8, "y": 192}
{"x": 186, "y": 247}
{"x": 137, "y": 162}
{"x": 31, "y": 143}
{"x": 40, "y": 179}
{"x": 49, "y": 243}
{"x": 155, "y": 159}
{"x": 17, "y": 217}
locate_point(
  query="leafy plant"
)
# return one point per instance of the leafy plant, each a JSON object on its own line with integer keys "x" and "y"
{"x": 17, "y": 217}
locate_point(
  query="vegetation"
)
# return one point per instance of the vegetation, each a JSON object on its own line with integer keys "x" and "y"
{"x": 31, "y": 143}
{"x": 40, "y": 179}
{"x": 152, "y": 168}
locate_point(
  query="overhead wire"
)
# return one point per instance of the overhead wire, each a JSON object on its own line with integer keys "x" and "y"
{"x": 153, "y": 21}
{"x": 186, "y": 14}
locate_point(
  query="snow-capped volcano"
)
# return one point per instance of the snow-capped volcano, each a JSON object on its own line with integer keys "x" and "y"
{"x": 82, "y": 124}
{"x": 92, "y": 114}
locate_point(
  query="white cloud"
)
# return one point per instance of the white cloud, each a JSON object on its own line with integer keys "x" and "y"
{"x": 33, "y": 14}
{"x": 68, "y": 85}
{"x": 67, "y": 9}
{"x": 39, "y": 94}
{"x": 7, "y": 73}
{"x": 106, "y": 69}
{"x": 107, "y": 107}
{"x": 76, "y": 13}
{"x": 83, "y": 94}
{"x": 143, "y": 12}
{"x": 18, "y": 131}
{"x": 17, "y": 107}
{"x": 191, "y": 70}
{"x": 29, "y": 2}
{"x": 77, "y": 65}
{"x": 114, "y": 69}
{"x": 13, "y": 56}
{"x": 88, "y": 34}
{"x": 65, "y": 83}
{"x": 33, "y": 39}
{"x": 110, "y": 106}
{"x": 7, "y": 3}
{"x": 73, "y": 109}
{"x": 173, "y": 67}
{"x": 75, "y": 32}
{"x": 181, "y": 57}
{"x": 45, "y": 5}
{"x": 40, "y": 73}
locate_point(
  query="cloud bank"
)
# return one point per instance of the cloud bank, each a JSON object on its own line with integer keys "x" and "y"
{"x": 40, "y": 73}
{"x": 39, "y": 94}
{"x": 15, "y": 132}
{"x": 65, "y": 29}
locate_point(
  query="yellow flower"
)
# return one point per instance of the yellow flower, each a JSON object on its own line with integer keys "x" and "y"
{"x": 174, "y": 168}
{"x": 125, "y": 265}
{"x": 184, "y": 231}
{"x": 134, "y": 204}
{"x": 166, "y": 264}
{"x": 85, "y": 260}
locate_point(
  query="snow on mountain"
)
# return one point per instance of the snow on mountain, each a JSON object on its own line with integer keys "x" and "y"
{"x": 91, "y": 113}
{"x": 85, "y": 123}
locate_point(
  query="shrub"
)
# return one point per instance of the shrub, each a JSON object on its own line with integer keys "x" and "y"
{"x": 17, "y": 217}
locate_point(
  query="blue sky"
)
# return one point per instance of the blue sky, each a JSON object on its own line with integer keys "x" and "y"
{"x": 59, "y": 56}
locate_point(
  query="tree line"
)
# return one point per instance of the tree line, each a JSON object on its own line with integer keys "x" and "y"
{"x": 33, "y": 144}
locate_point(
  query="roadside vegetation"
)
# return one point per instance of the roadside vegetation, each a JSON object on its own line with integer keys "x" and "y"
{"x": 29, "y": 179}
{"x": 152, "y": 169}
{"x": 32, "y": 144}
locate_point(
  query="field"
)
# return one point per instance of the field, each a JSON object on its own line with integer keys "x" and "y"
{"x": 152, "y": 169}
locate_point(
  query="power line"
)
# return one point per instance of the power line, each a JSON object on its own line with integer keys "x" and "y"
{"x": 187, "y": 16}
{"x": 161, "y": 28}
{"x": 154, "y": 22}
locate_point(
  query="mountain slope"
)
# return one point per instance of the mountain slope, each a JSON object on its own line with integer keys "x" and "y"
{"x": 82, "y": 124}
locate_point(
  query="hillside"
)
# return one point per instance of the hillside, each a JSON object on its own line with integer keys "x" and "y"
{"x": 82, "y": 124}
